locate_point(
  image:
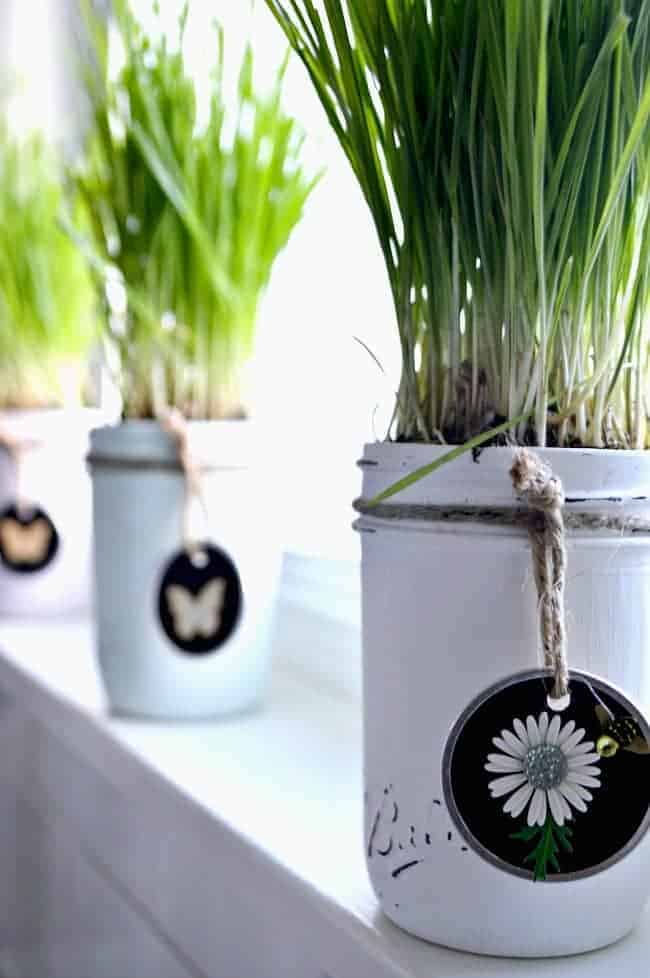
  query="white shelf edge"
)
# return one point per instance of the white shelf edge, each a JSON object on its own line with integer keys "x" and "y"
{"x": 172, "y": 771}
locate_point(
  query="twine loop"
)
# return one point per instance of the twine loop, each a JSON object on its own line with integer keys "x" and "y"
{"x": 534, "y": 482}
{"x": 17, "y": 448}
{"x": 175, "y": 424}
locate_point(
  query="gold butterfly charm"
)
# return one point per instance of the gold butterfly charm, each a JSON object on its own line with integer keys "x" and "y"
{"x": 619, "y": 733}
{"x": 24, "y": 543}
{"x": 196, "y": 614}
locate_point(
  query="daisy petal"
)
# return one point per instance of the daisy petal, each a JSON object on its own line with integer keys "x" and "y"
{"x": 568, "y": 814}
{"x": 573, "y": 741}
{"x": 534, "y": 809}
{"x": 516, "y": 748}
{"x": 534, "y": 737}
{"x": 505, "y": 763}
{"x": 557, "y": 810}
{"x": 517, "y": 802}
{"x": 521, "y": 732}
{"x": 495, "y": 768}
{"x": 582, "y": 792}
{"x": 593, "y": 771}
{"x": 570, "y": 792}
{"x": 575, "y": 777}
{"x": 541, "y": 818}
{"x": 553, "y": 730}
{"x": 583, "y": 759}
{"x": 505, "y": 748}
{"x": 537, "y": 810}
{"x": 502, "y": 786}
{"x": 584, "y": 748}
{"x": 566, "y": 732}
{"x": 543, "y": 726}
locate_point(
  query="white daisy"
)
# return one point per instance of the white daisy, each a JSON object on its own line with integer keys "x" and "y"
{"x": 546, "y": 764}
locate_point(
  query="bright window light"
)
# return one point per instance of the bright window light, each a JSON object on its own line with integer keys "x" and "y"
{"x": 317, "y": 387}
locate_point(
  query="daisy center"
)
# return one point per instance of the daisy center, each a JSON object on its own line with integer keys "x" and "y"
{"x": 545, "y": 766}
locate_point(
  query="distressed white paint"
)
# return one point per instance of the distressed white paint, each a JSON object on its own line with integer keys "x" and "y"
{"x": 449, "y": 610}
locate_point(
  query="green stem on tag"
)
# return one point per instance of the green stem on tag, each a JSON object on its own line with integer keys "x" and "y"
{"x": 551, "y": 838}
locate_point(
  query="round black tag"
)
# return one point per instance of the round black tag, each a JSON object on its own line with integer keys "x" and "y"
{"x": 549, "y": 795}
{"x": 28, "y": 539}
{"x": 200, "y": 600}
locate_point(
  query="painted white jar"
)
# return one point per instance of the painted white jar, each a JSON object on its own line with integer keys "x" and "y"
{"x": 448, "y": 611}
{"x": 138, "y": 500}
{"x": 54, "y": 477}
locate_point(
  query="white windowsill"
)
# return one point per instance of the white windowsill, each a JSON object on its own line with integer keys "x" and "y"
{"x": 260, "y": 816}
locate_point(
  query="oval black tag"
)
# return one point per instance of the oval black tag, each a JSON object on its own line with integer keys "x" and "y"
{"x": 28, "y": 539}
{"x": 548, "y": 795}
{"x": 200, "y": 599}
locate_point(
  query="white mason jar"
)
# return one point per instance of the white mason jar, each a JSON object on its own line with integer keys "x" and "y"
{"x": 448, "y": 611}
{"x": 50, "y": 474}
{"x": 138, "y": 499}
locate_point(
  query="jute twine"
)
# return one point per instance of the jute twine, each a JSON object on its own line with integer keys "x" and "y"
{"x": 175, "y": 424}
{"x": 545, "y": 523}
{"x": 534, "y": 482}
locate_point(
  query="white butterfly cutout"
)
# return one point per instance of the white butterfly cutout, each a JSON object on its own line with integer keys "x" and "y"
{"x": 196, "y": 614}
{"x": 24, "y": 543}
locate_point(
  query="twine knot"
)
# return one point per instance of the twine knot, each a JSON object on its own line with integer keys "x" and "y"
{"x": 534, "y": 482}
